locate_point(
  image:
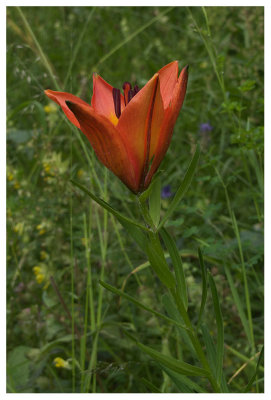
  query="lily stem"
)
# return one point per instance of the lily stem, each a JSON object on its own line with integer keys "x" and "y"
{"x": 143, "y": 206}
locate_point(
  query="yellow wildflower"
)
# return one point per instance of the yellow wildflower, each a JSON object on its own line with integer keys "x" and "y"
{"x": 40, "y": 278}
{"x": 46, "y": 167}
{"x": 18, "y": 228}
{"x": 41, "y": 229}
{"x": 50, "y": 108}
{"x": 60, "y": 363}
{"x": 41, "y": 275}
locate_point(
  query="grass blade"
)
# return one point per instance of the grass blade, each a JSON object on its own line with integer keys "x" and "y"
{"x": 237, "y": 301}
{"x": 204, "y": 286}
{"x": 183, "y": 187}
{"x": 220, "y": 330}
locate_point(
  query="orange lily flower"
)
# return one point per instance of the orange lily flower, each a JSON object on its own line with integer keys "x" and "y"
{"x": 130, "y": 132}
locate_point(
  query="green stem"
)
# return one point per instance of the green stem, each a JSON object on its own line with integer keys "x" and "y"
{"x": 194, "y": 339}
{"x": 154, "y": 238}
{"x": 143, "y": 206}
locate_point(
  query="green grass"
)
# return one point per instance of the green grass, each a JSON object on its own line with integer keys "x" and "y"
{"x": 54, "y": 226}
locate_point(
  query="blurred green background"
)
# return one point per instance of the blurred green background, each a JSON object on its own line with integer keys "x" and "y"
{"x": 54, "y": 231}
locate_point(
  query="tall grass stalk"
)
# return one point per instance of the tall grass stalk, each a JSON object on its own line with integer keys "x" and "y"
{"x": 237, "y": 235}
{"x": 39, "y": 48}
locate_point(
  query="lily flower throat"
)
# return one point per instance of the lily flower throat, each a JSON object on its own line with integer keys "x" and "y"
{"x": 128, "y": 94}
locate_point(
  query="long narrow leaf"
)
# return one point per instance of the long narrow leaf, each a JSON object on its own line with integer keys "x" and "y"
{"x": 173, "y": 313}
{"x": 139, "y": 304}
{"x": 177, "y": 264}
{"x": 237, "y": 301}
{"x": 155, "y": 201}
{"x": 220, "y": 330}
{"x": 178, "y": 366}
{"x": 204, "y": 286}
{"x": 211, "y": 355}
{"x": 106, "y": 206}
{"x": 183, "y": 187}
{"x": 158, "y": 262}
{"x": 137, "y": 234}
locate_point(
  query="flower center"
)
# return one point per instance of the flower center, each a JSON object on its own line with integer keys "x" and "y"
{"x": 128, "y": 94}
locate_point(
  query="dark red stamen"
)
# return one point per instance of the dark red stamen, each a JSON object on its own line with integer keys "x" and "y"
{"x": 131, "y": 94}
{"x": 136, "y": 89}
{"x": 116, "y": 99}
{"x": 125, "y": 84}
{"x": 128, "y": 94}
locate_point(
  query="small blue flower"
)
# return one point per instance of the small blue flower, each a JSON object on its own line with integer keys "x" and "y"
{"x": 166, "y": 192}
{"x": 205, "y": 127}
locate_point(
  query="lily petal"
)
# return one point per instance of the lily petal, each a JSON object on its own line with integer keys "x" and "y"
{"x": 102, "y": 99}
{"x": 168, "y": 78}
{"x": 171, "y": 115}
{"x": 106, "y": 142}
{"x": 60, "y": 98}
{"x": 138, "y": 127}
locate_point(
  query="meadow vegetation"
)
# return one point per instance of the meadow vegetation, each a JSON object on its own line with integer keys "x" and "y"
{"x": 66, "y": 332}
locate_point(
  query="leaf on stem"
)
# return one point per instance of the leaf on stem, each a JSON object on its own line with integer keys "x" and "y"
{"x": 211, "y": 355}
{"x": 158, "y": 262}
{"x": 183, "y": 186}
{"x": 177, "y": 264}
{"x": 174, "y": 313}
{"x": 155, "y": 201}
{"x": 135, "y": 229}
{"x": 139, "y": 304}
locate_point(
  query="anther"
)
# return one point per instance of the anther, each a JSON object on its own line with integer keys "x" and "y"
{"x": 116, "y": 99}
{"x": 126, "y": 88}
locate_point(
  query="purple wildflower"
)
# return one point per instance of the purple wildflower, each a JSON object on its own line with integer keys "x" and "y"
{"x": 205, "y": 127}
{"x": 166, "y": 192}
